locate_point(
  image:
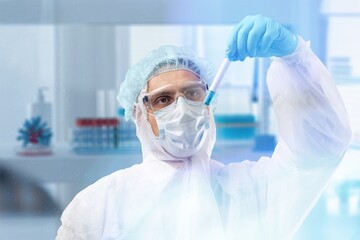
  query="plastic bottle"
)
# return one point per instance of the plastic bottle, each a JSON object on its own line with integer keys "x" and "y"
{"x": 41, "y": 108}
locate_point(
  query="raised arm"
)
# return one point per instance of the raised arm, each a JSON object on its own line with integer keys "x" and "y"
{"x": 313, "y": 128}
{"x": 313, "y": 135}
{"x": 312, "y": 121}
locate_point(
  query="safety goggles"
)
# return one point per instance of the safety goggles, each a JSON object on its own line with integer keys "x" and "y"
{"x": 166, "y": 95}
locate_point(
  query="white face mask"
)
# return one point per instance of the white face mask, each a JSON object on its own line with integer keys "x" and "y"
{"x": 182, "y": 127}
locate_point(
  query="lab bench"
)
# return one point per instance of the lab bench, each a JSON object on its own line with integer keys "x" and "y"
{"x": 67, "y": 172}
{"x": 64, "y": 165}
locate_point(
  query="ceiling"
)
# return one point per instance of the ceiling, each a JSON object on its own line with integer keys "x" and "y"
{"x": 141, "y": 11}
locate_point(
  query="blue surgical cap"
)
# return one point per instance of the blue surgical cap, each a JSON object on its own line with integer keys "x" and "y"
{"x": 163, "y": 59}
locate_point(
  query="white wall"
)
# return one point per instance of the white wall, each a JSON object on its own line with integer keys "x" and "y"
{"x": 302, "y": 14}
{"x": 85, "y": 62}
{"x": 26, "y": 62}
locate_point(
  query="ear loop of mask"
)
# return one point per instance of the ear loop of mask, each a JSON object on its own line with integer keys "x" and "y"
{"x": 145, "y": 112}
{"x": 139, "y": 104}
{"x": 142, "y": 110}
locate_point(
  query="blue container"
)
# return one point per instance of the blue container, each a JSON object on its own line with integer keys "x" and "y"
{"x": 235, "y": 127}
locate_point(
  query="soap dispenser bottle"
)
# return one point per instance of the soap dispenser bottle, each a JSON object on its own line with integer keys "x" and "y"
{"x": 41, "y": 108}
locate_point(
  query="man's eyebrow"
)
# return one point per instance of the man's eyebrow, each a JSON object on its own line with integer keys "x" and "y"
{"x": 189, "y": 86}
{"x": 164, "y": 91}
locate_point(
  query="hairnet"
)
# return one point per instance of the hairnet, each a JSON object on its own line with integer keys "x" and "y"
{"x": 163, "y": 59}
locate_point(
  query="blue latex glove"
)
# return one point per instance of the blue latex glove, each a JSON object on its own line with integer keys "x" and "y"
{"x": 258, "y": 36}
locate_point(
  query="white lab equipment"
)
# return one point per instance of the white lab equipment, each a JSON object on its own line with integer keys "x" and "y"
{"x": 106, "y": 103}
{"x": 40, "y": 107}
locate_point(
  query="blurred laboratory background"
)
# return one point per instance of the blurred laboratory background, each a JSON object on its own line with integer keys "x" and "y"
{"x": 61, "y": 128}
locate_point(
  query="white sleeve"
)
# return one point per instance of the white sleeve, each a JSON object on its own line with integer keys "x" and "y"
{"x": 314, "y": 133}
{"x": 271, "y": 197}
{"x": 311, "y": 116}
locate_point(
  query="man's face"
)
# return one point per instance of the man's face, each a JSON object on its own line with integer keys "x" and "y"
{"x": 176, "y": 78}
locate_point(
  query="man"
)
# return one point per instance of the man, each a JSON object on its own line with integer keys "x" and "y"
{"x": 178, "y": 192}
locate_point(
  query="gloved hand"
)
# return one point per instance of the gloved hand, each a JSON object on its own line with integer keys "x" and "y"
{"x": 258, "y": 36}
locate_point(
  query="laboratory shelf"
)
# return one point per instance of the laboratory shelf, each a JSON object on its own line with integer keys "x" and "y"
{"x": 64, "y": 165}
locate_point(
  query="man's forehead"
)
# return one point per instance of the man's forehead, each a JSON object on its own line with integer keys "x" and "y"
{"x": 173, "y": 88}
{"x": 175, "y": 78}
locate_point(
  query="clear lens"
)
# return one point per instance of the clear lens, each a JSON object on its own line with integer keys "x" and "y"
{"x": 164, "y": 96}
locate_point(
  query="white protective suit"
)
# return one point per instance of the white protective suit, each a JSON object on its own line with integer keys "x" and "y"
{"x": 201, "y": 199}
